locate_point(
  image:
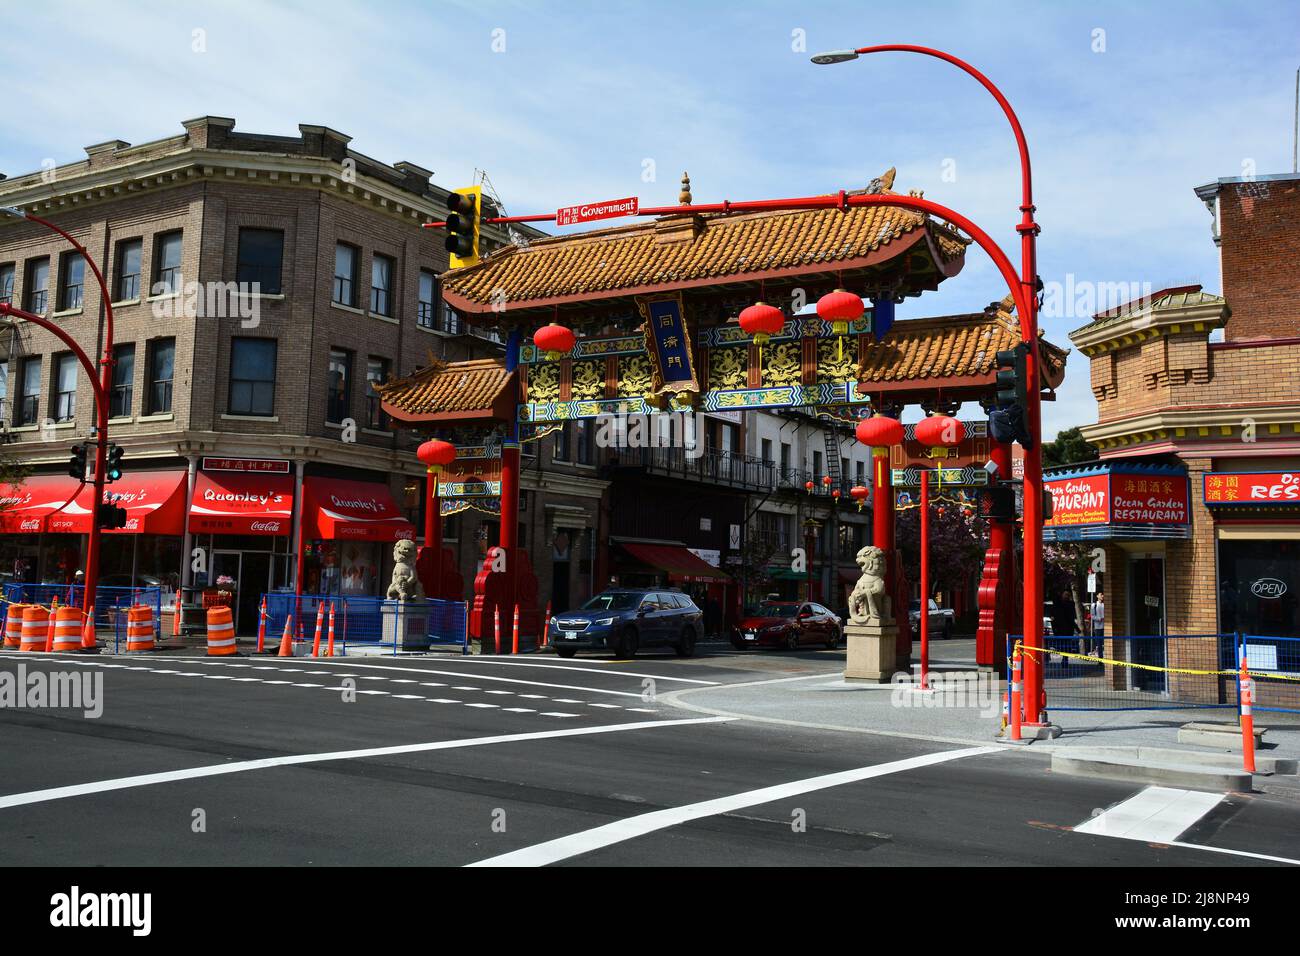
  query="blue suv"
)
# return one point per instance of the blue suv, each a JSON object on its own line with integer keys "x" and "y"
{"x": 628, "y": 619}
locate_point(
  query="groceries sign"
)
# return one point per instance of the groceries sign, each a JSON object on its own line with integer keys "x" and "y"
{"x": 1252, "y": 488}
{"x": 1119, "y": 499}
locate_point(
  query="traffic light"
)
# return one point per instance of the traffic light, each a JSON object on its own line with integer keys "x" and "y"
{"x": 113, "y": 470}
{"x": 77, "y": 463}
{"x": 1011, "y": 383}
{"x": 110, "y": 517}
{"x": 466, "y": 209}
{"x": 997, "y": 503}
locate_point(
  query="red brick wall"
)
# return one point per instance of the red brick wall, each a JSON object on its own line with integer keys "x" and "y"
{"x": 1259, "y": 229}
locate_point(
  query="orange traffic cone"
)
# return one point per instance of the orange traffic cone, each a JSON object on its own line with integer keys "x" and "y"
{"x": 320, "y": 624}
{"x": 178, "y": 612}
{"x": 49, "y": 631}
{"x": 496, "y": 637}
{"x": 286, "y": 642}
{"x": 329, "y": 648}
{"x": 88, "y": 634}
{"x": 514, "y": 639}
{"x": 546, "y": 627}
{"x": 261, "y": 626}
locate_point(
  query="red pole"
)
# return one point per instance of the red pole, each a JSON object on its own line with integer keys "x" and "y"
{"x": 433, "y": 528}
{"x": 925, "y": 579}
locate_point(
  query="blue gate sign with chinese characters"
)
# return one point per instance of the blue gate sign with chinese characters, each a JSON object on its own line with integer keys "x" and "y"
{"x": 668, "y": 344}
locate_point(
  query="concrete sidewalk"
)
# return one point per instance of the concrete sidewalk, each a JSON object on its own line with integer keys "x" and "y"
{"x": 961, "y": 712}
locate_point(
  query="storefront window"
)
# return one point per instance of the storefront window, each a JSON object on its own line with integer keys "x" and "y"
{"x": 1259, "y": 587}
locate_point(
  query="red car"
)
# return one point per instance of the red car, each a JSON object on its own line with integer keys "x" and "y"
{"x": 788, "y": 624}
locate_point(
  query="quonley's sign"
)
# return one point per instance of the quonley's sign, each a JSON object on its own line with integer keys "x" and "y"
{"x": 1247, "y": 488}
{"x": 1119, "y": 499}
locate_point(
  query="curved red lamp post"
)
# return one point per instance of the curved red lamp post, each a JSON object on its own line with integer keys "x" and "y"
{"x": 100, "y": 385}
{"x": 1027, "y": 310}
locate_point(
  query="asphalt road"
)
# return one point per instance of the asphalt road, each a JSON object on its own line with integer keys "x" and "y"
{"x": 530, "y": 761}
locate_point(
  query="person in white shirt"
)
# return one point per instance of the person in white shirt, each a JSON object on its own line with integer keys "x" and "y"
{"x": 1098, "y": 612}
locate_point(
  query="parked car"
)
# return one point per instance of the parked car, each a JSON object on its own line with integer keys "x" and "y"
{"x": 788, "y": 624}
{"x": 626, "y": 620}
{"x": 941, "y": 619}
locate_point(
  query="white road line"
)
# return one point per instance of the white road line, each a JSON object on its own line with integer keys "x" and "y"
{"x": 586, "y": 841}
{"x": 1156, "y": 815}
{"x": 1160, "y": 815}
{"x": 292, "y": 760}
{"x": 353, "y": 665}
{"x": 488, "y": 659}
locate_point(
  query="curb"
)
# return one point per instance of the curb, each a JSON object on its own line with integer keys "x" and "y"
{"x": 1142, "y": 765}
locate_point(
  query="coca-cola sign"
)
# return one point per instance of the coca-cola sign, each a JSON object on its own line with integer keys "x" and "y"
{"x": 265, "y": 527}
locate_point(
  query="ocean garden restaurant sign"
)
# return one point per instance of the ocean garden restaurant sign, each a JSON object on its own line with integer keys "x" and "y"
{"x": 1118, "y": 501}
{"x": 1252, "y": 488}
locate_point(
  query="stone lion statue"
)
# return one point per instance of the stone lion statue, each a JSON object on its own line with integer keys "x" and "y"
{"x": 406, "y": 584}
{"x": 869, "y": 602}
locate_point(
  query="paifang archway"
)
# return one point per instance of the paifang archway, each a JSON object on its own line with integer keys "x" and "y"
{"x": 654, "y": 306}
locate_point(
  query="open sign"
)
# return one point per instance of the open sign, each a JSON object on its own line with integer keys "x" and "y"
{"x": 1268, "y": 588}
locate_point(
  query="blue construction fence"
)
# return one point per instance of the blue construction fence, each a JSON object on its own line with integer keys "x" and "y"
{"x": 1169, "y": 672}
{"x": 369, "y": 621}
{"x": 111, "y": 604}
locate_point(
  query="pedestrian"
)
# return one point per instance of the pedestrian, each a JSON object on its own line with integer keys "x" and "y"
{"x": 1097, "y": 612}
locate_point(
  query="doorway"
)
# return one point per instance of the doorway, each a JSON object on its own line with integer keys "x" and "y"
{"x": 1146, "y": 614}
{"x": 251, "y": 572}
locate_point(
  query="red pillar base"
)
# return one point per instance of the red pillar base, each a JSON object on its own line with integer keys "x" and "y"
{"x": 503, "y": 589}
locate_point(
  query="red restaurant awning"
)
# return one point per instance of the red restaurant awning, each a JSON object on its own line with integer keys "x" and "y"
{"x": 334, "y": 508}
{"x": 681, "y": 564}
{"x": 231, "y": 502}
{"x": 154, "y": 503}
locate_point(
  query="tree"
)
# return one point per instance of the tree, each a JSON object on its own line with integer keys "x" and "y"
{"x": 958, "y": 540}
{"x": 1068, "y": 448}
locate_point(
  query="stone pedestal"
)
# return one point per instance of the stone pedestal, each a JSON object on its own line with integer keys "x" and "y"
{"x": 872, "y": 654}
{"x": 407, "y": 624}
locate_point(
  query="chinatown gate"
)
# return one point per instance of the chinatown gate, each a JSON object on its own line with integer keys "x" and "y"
{"x": 653, "y": 308}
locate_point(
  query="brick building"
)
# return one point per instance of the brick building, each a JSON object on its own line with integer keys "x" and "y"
{"x": 262, "y": 286}
{"x": 1196, "y": 496}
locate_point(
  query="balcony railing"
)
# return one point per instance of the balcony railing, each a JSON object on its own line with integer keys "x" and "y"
{"x": 713, "y": 466}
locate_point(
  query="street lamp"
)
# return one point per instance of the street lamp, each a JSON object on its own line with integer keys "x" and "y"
{"x": 100, "y": 392}
{"x": 1032, "y": 623}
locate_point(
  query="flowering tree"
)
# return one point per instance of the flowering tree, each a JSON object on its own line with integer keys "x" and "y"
{"x": 958, "y": 539}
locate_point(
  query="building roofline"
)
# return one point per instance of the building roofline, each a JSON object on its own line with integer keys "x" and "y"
{"x": 1211, "y": 189}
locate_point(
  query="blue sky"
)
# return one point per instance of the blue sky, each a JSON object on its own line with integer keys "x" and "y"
{"x": 1122, "y": 124}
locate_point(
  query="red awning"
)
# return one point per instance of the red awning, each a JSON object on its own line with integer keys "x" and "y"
{"x": 231, "y": 502}
{"x": 355, "y": 510}
{"x": 25, "y": 505}
{"x": 154, "y": 503}
{"x": 681, "y": 564}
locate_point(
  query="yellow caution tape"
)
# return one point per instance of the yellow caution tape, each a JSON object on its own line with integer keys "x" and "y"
{"x": 1165, "y": 670}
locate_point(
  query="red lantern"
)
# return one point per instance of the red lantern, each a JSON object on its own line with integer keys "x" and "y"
{"x": 826, "y": 480}
{"x": 840, "y": 308}
{"x": 808, "y": 486}
{"x": 836, "y": 494}
{"x": 554, "y": 340}
{"x": 860, "y": 495}
{"x": 762, "y": 321}
{"x": 436, "y": 455}
{"x": 880, "y": 431}
{"x": 940, "y": 431}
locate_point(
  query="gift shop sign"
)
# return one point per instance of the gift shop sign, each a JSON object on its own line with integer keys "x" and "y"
{"x": 1252, "y": 488}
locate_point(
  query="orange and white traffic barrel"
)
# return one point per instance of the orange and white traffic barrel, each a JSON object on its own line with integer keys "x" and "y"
{"x": 139, "y": 628}
{"x": 14, "y": 626}
{"x": 36, "y": 621}
{"x": 221, "y": 632}
{"x": 68, "y": 624}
